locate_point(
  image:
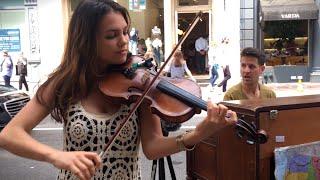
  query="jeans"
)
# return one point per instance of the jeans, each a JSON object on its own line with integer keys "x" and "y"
{"x": 227, "y": 76}
{"x": 214, "y": 75}
{"x": 22, "y": 80}
{"x": 157, "y": 55}
{"x": 200, "y": 63}
{"x": 6, "y": 80}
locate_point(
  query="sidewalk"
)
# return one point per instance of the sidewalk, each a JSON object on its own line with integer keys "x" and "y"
{"x": 295, "y": 89}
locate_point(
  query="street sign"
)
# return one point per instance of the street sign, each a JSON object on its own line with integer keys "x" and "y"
{"x": 10, "y": 40}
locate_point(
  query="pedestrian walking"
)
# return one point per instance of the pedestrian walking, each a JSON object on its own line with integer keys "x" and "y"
{"x": 224, "y": 58}
{"x": 213, "y": 66}
{"x": 6, "y": 68}
{"x": 226, "y": 77}
{"x": 22, "y": 71}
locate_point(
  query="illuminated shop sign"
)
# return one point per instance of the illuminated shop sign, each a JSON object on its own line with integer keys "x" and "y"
{"x": 10, "y": 40}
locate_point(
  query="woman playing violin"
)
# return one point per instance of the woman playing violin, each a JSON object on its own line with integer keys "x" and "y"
{"x": 97, "y": 38}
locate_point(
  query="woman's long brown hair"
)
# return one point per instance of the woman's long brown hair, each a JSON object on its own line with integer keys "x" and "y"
{"x": 79, "y": 70}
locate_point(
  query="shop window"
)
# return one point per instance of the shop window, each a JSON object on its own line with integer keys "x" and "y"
{"x": 246, "y": 13}
{"x": 30, "y": 2}
{"x": 246, "y": 23}
{"x": 246, "y": 43}
{"x": 192, "y": 2}
{"x": 246, "y": 34}
{"x": 246, "y": 4}
{"x": 286, "y": 42}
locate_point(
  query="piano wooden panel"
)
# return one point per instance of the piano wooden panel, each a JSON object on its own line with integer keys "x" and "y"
{"x": 225, "y": 156}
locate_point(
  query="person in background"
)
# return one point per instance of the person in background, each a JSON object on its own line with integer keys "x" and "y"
{"x": 202, "y": 47}
{"x": 224, "y": 59}
{"x": 150, "y": 54}
{"x": 6, "y": 68}
{"x": 133, "y": 43}
{"x": 98, "y": 40}
{"x": 157, "y": 45}
{"x": 22, "y": 71}
{"x": 178, "y": 67}
{"x": 142, "y": 48}
{"x": 251, "y": 67}
{"x": 190, "y": 53}
{"x": 226, "y": 77}
{"x": 213, "y": 64}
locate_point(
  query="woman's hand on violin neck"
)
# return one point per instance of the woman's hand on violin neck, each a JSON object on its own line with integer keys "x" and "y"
{"x": 218, "y": 116}
{"x": 80, "y": 163}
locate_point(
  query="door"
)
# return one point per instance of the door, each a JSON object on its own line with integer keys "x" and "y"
{"x": 202, "y": 28}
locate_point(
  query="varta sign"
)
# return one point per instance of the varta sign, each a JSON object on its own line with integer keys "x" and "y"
{"x": 290, "y": 16}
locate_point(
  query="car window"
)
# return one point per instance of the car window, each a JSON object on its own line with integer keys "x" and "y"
{"x": 4, "y": 89}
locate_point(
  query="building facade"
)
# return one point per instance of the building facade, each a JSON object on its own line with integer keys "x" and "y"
{"x": 40, "y": 35}
{"x": 288, "y": 32}
{"x": 221, "y": 19}
{"x": 40, "y": 28}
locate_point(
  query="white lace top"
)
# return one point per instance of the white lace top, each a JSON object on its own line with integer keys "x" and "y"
{"x": 85, "y": 131}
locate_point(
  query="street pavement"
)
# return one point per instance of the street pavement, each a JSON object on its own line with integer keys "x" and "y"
{"x": 13, "y": 167}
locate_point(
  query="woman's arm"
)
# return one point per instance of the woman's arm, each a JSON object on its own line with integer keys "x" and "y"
{"x": 15, "y": 138}
{"x": 188, "y": 72}
{"x": 166, "y": 69}
{"x": 155, "y": 145}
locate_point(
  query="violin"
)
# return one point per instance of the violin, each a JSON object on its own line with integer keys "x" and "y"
{"x": 173, "y": 100}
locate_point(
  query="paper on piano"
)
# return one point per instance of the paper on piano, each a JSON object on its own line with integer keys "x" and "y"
{"x": 298, "y": 162}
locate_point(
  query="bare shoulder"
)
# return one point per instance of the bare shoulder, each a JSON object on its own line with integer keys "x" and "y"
{"x": 46, "y": 92}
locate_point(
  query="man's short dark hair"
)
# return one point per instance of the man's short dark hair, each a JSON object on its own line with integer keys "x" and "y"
{"x": 253, "y": 52}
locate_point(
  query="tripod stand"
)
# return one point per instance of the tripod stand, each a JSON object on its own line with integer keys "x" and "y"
{"x": 162, "y": 173}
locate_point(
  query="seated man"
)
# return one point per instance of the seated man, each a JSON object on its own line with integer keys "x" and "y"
{"x": 251, "y": 67}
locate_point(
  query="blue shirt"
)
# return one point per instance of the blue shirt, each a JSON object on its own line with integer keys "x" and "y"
{"x": 7, "y": 66}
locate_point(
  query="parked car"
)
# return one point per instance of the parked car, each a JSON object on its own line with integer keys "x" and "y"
{"x": 11, "y": 102}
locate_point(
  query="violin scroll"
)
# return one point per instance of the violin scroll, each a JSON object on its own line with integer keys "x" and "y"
{"x": 249, "y": 132}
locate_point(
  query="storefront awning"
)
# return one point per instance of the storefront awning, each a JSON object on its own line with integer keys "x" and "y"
{"x": 274, "y": 10}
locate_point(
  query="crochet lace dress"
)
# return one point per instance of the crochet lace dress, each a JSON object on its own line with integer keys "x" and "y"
{"x": 84, "y": 131}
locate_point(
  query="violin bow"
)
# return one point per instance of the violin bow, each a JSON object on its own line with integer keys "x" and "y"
{"x": 145, "y": 92}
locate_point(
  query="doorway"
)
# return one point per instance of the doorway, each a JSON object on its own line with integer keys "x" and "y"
{"x": 188, "y": 46}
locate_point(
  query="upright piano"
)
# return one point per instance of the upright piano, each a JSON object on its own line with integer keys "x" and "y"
{"x": 224, "y": 156}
